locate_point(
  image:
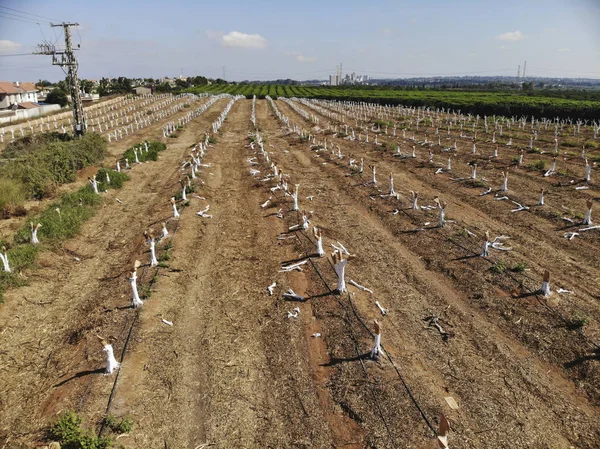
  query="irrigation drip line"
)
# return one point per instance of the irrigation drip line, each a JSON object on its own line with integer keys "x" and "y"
{"x": 133, "y": 322}
{"x": 530, "y": 292}
{"x": 352, "y": 335}
{"x": 354, "y": 338}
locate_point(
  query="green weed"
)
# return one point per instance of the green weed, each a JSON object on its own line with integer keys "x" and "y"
{"x": 520, "y": 267}
{"x": 71, "y": 435}
{"x": 117, "y": 425}
{"x": 498, "y": 268}
{"x": 538, "y": 165}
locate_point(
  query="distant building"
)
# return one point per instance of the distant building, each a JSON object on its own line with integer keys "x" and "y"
{"x": 143, "y": 91}
{"x": 14, "y": 94}
{"x": 333, "y": 80}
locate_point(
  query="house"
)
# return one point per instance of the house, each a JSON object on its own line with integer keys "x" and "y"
{"x": 13, "y": 94}
{"x": 143, "y": 90}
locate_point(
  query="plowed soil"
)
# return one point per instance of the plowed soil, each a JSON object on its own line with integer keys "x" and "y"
{"x": 235, "y": 370}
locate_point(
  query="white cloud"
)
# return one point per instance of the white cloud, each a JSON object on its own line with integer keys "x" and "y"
{"x": 243, "y": 40}
{"x": 511, "y": 36}
{"x": 7, "y": 46}
{"x": 302, "y": 58}
{"x": 564, "y": 50}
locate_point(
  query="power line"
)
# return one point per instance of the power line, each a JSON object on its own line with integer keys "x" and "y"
{"x": 18, "y": 20}
{"x": 16, "y": 54}
{"x": 28, "y": 13}
{"x": 20, "y": 16}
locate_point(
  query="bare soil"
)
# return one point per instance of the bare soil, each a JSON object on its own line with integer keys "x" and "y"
{"x": 235, "y": 371}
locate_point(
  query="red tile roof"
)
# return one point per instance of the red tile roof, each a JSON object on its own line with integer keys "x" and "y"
{"x": 28, "y": 105}
{"x": 8, "y": 87}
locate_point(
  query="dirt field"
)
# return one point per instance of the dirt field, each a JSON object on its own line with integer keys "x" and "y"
{"x": 235, "y": 371}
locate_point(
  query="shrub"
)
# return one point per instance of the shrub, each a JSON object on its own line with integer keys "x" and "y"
{"x": 116, "y": 179}
{"x": 75, "y": 208}
{"x": 12, "y": 197}
{"x": 70, "y": 435}
{"x": 40, "y": 164}
{"x": 119, "y": 426}
{"x": 538, "y": 165}
{"x": 154, "y": 147}
{"x": 591, "y": 144}
{"x": 57, "y": 96}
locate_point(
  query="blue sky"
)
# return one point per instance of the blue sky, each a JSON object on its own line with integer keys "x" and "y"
{"x": 306, "y": 39}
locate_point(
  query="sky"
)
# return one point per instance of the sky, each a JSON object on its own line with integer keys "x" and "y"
{"x": 265, "y": 40}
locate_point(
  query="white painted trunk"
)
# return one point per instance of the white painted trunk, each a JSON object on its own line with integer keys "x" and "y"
{"x": 340, "y": 269}
{"x": 137, "y": 302}
{"x": 376, "y": 349}
{"x": 153, "y": 261}
{"x": 111, "y": 362}
{"x": 4, "y": 258}
{"x": 546, "y": 288}
{"x": 320, "y": 250}
{"x": 588, "y": 217}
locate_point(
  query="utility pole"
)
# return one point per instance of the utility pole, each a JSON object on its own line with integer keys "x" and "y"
{"x": 524, "y": 68}
{"x": 519, "y": 72}
{"x": 66, "y": 58}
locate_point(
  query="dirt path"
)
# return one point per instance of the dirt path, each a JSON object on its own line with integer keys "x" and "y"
{"x": 237, "y": 369}
{"x": 50, "y": 355}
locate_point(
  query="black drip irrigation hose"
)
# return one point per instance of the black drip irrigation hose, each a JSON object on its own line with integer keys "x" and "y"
{"x": 355, "y": 340}
{"x": 131, "y": 328}
{"x": 530, "y": 292}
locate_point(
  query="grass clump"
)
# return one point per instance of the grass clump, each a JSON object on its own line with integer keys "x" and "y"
{"x": 578, "y": 322}
{"x": 498, "y": 268}
{"x": 117, "y": 179}
{"x": 63, "y": 219}
{"x": 383, "y": 123}
{"x": 570, "y": 143}
{"x": 154, "y": 147}
{"x": 71, "y": 435}
{"x": 520, "y": 267}
{"x": 475, "y": 183}
{"x": 117, "y": 425}
{"x": 12, "y": 197}
{"x": 538, "y": 165}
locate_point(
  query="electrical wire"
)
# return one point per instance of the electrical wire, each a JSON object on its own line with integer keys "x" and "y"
{"x": 28, "y": 13}
{"x": 78, "y": 34}
{"x": 16, "y": 54}
{"x": 21, "y": 17}
{"x": 18, "y": 20}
